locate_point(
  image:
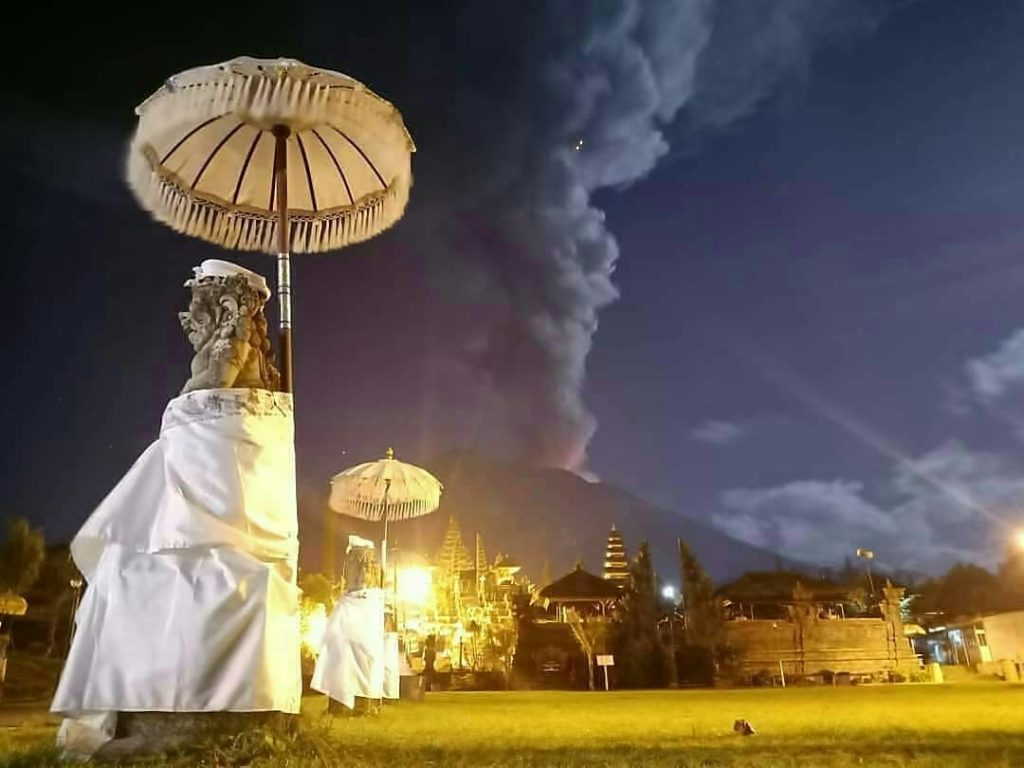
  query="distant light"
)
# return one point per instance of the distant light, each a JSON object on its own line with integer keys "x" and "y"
{"x": 1019, "y": 538}
{"x": 865, "y": 554}
{"x": 313, "y": 625}
{"x": 668, "y": 592}
{"x": 414, "y": 585}
{"x": 579, "y": 145}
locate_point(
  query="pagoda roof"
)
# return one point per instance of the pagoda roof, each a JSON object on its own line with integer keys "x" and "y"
{"x": 580, "y": 585}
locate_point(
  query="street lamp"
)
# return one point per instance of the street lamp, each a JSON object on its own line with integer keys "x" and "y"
{"x": 668, "y": 592}
{"x": 867, "y": 556}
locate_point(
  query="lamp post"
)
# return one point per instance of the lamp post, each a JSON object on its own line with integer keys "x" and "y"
{"x": 867, "y": 556}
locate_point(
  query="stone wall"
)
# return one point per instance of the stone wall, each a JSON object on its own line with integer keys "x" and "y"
{"x": 808, "y": 646}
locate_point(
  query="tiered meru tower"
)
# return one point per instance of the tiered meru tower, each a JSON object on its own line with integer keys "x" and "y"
{"x": 616, "y": 561}
{"x": 453, "y": 556}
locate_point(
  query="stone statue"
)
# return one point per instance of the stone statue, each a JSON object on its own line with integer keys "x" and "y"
{"x": 361, "y": 568}
{"x": 228, "y": 330}
{"x": 128, "y": 687}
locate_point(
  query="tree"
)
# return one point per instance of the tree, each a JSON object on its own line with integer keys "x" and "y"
{"x": 705, "y": 646}
{"x": 502, "y": 638}
{"x": 965, "y": 590}
{"x": 54, "y": 593}
{"x": 591, "y": 633}
{"x": 1011, "y": 579}
{"x": 703, "y": 619}
{"x": 21, "y": 556}
{"x": 641, "y": 658}
{"x": 317, "y": 587}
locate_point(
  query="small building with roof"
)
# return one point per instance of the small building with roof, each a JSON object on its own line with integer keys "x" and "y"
{"x": 989, "y": 643}
{"x": 588, "y": 594}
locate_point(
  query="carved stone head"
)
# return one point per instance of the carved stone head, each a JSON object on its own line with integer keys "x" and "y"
{"x": 227, "y": 329}
{"x": 361, "y": 570}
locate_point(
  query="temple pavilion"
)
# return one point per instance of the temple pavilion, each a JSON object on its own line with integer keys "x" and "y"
{"x": 590, "y": 595}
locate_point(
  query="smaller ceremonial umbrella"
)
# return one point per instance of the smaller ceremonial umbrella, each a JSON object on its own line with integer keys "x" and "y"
{"x": 12, "y": 604}
{"x": 385, "y": 490}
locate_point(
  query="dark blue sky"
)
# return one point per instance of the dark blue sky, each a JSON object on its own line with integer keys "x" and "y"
{"x": 803, "y": 289}
{"x": 839, "y": 256}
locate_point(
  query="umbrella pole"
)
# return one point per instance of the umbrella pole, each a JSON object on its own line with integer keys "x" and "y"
{"x": 384, "y": 596}
{"x": 384, "y": 540}
{"x": 384, "y": 551}
{"x": 284, "y": 268}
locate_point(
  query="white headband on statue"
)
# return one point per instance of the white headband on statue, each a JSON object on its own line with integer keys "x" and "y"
{"x": 358, "y": 542}
{"x": 219, "y": 268}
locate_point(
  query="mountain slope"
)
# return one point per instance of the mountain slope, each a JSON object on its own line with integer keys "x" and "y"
{"x": 537, "y": 515}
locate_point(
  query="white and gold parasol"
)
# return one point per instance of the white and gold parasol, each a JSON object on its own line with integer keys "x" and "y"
{"x": 386, "y": 490}
{"x": 271, "y": 155}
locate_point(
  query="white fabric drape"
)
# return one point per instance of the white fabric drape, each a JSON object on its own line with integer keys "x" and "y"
{"x": 356, "y": 659}
{"x": 191, "y": 603}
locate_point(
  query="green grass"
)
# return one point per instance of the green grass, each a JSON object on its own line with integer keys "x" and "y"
{"x": 976, "y": 725}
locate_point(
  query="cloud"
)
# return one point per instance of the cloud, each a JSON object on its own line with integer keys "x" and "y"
{"x": 994, "y": 375}
{"x": 717, "y": 432}
{"x": 949, "y": 504}
{"x": 811, "y": 520}
{"x": 995, "y": 382}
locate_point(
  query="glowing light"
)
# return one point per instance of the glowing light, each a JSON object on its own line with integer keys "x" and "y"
{"x": 668, "y": 592}
{"x": 1019, "y": 538}
{"x": 579, "y": 145}
{"x": 414, "y": 585}
{"x": 313, "y": 625}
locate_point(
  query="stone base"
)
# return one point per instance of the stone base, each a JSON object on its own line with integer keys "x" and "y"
{"x": 148, "y": 733}
{"x": 411, "y": 688}
{"x": 362, "y": 707}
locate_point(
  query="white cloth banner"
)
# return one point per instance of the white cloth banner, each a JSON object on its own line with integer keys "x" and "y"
{"x": 355, "y": 657}
{"x": 190, "y": 560}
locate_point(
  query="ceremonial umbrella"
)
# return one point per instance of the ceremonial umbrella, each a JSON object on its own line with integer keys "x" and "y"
{"x": 12, "y": 604}
{"x": 384, "y": 491}
{"x": 271, "y": 155}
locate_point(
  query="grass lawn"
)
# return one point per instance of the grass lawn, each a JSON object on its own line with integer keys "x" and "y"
{"x": 977, "y": 725}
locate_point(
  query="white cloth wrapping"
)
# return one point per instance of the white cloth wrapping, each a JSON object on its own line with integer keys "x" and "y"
{"x": 190, "y": 560}
{"x": 355, "y": 659}
{"x": 392, "y": 666}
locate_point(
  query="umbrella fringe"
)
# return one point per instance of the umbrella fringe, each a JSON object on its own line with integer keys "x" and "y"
{"x": 361, "y": 491}
{"x": 373, "y": 510}
{"x": 248, "y": 230}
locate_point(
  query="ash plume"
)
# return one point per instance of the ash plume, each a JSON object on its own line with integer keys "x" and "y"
{"x": 545, "y": 105}
{"x": 606, "y": 80}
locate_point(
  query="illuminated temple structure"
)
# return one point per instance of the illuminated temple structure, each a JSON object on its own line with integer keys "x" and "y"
{"x": 461, "y": 603}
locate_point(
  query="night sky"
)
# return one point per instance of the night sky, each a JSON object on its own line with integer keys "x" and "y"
{"x": 798, "y": 222}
